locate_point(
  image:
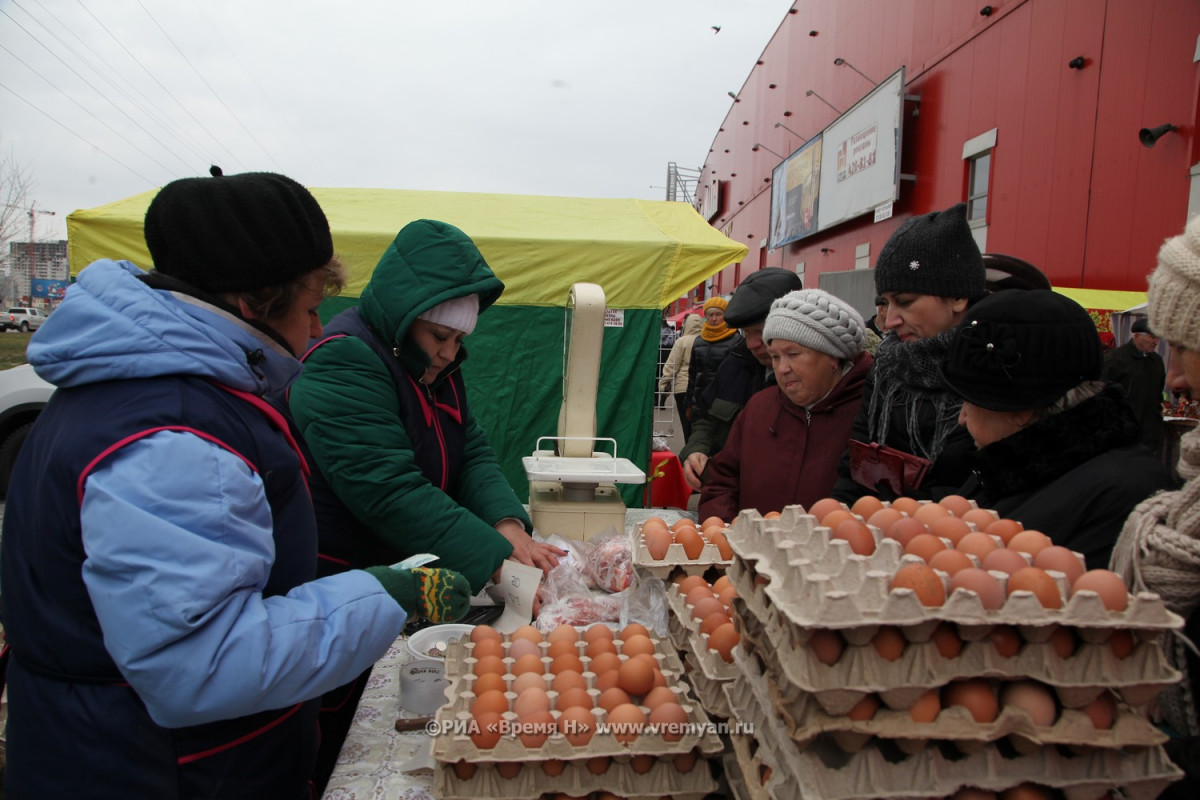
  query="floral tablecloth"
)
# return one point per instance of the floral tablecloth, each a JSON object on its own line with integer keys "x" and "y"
{"x": 371, "y": 764}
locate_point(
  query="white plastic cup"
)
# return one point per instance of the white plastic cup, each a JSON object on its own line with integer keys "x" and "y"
{"x": 423, "y": 686}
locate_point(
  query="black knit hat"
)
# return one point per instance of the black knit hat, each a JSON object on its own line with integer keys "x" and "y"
{"x": 753, "y": 296}
{"x": 1141, "y": 325}
{"x": 932, "y": 254}
{"x": 1015, "y": 351}
{"x": 236, "y": 232}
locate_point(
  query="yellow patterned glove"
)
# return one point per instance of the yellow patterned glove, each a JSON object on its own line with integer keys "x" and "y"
{"x": 440, "y": 595}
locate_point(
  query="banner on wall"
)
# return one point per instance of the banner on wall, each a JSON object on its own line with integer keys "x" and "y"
{"x": 845, "y": 171}
{"x": 53, "y": 290}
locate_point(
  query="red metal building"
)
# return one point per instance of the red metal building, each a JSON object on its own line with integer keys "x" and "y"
{"x": 1029, "y": 108}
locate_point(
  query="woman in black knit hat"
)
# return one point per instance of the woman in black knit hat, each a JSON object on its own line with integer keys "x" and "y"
{"x": 930, "y": 272}
{"x": 1059, "y": 450}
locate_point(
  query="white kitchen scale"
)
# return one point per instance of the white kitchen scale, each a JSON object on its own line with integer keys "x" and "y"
{"x": 572, "y": 487}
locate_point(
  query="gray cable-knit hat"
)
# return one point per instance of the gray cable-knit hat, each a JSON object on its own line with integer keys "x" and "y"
{"x": 816, "y": 319}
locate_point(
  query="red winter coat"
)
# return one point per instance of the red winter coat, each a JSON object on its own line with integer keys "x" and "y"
{"x": 779, "y": 454}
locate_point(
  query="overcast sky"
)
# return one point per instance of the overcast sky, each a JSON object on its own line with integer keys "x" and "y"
{"x": 103, "y": 99}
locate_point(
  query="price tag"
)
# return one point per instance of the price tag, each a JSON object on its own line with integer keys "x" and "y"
{"x": 518, "y": 587}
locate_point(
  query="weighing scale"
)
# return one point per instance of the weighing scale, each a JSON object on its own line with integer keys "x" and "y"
{"x": 572, "y": 487}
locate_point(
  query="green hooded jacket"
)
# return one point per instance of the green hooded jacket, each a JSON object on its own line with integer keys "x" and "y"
{"x": 350, "y": 409}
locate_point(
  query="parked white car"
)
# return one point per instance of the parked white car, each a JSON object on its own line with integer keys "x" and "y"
{"x": 22, "y": 319}
{"x": 23, "y": 395}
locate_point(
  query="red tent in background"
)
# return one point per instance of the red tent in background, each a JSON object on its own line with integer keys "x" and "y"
{"x": 677, "y": 318}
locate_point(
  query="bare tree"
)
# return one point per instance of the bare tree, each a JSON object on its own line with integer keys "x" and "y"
{"x": 15, "y": 187}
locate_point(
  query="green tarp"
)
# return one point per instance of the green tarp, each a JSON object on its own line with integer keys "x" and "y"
{"x": 645, "y": 254}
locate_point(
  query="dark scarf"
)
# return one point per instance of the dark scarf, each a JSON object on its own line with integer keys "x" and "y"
{"x": 906, "y": 373}
{"x": 1052, "y": 446}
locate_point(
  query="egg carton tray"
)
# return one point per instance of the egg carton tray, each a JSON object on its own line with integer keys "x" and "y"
{"x": 816, "y": 581}
{"x": 709, "y": 691}
{"x": 739, "y": 787}
{"x": 576, "y": 780}
{"x": 455, "y": 718}
{"x": 675, "y": 557}
{"x": 692, "y": 640}
{"x": 860, "y": 670}
{"x": 828, "y": 772}
{"x": 751, "y": 764}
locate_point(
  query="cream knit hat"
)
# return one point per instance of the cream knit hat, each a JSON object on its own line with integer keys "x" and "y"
{"x": 1174, "y": 298}
{"x": 816, "y": 319}
{"x": 459, "y": 313}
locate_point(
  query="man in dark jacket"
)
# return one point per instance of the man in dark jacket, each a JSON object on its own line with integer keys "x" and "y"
{"x": 1141, "y": 373}
{"x": 744, "y": 371}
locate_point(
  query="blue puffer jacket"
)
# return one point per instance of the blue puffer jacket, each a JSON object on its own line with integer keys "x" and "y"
{"x": 158, "y": 544}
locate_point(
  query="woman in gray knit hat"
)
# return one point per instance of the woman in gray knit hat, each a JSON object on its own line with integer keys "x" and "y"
{"x": 930, "y": 271}
{"x": 784, "y": 446}
{"x": 1159, "y": 547}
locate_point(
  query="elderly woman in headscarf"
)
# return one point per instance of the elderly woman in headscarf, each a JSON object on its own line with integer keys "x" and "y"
{"x": 784, "y": 447}
{"x": 1059, "y": 449}
{"x": 714, "y": 343}
{"x": 1159, "y": 547}
{"x": 930, "y": 271}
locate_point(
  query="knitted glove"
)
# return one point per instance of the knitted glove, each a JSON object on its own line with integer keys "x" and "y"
{"x": 441, "y": 595}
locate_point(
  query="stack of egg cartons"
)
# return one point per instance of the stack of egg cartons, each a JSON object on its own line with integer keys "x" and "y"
{"x": 535, "y": 750}
{"x": 835, "y": 719}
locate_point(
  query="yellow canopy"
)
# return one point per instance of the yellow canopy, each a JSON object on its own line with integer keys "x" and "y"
{"x": 644, "y": 253}
{"x": 1103, "y": 299}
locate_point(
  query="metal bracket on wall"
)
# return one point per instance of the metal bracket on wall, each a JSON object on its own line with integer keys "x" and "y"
{"x": 907, "y": 176}
{"x": 914, "y": 98}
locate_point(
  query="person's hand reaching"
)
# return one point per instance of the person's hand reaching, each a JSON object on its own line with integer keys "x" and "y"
{"x": 440, "y": 595}
{"x": 693, "y": 468}
{"x": 527, "y": 551}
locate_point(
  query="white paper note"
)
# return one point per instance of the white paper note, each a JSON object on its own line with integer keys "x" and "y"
{"x": 518, "y": 587}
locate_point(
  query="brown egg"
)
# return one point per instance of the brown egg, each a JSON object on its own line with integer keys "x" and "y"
{"x": 926, "y": 707}
{"x": 908, "y": 505}
{"x": 1122, "y": 643}
{"x": 714, "y": 621}
{"x": 835, "y": 518}
{"x": 598, "y": 765}
{"x": 991, "y": 593}
{"x": 491, "y": 701}
{"x": 924, "y": 582}
{"x": 657, "y": 696}
{"x": 950, "y": 561}
{"x": 947, "y": 641}
{"x": 889, "y": 642}
{"x": 1025, "y": 791}
{"x": 1108, "y": 585}
{"x": 720, "y": 583}
{"x": 604, "y": 662}
{"x": 563, "y": 632}
{"x": 1063, "y": 642}
{"x": 487, "y": 682}
{"x": 640, "y": 765}
{"x": 634, "y": 628}
{"x": 928, "y": 512}
{"x": 772, "y": 515}
{"x": 566, "y": 661}
{"x": 864, "y": 709}
{"x": 489, "y": 664}
{"x": 532, "y": 699}
{"x": 981, "y": 518}
{"x": 977, "y": 544}
{"x": 465, "y": 770}
{"x": 696, "y": 594}
{"x": 600, "y": 645}
{"x": 577, "y": 724}
{"x": 975, "y": 695}
{"x": 638, "y": 643}
{"x": 635, "y": 677}
{"x": 1006, "y": 529}
{"x": 486, "y": 730}
{"x": 884, "y": 518}
{"x": 1034, "y": 698}
{"x": 670, "y": 721}
{"x": 488, "y": 647}
{"x": 605, "y": 680}
{"x": 973, "y": 793}
{"x": 924, "y": 545}
{"x": 568, "y": 679}
{"x": 523, "y": 647}
{"x": 657, "y": 542}
{"x": 1006, "y": 640}
{"x": 712, "y": 521}
{"x": 528, "y": 680}
{"x": 723, "y": 640}
{"x": 1004, "y": 560}
{"x": 726, "y": 596}
{"x": 827, "y": 645}
{"x": 484, "y": 632}
{"x": 719, "y": 539}
{"x": 857, "y": 535}
{"x": 692, "y": 544}
{"x": 536, "y": 727}
{"x": 626, "y": 721}
{"x": 554, "y": 767}
{"x": 905, "y": 529}
{"x": 562, "y": 647}
{"x": 687, "y": 584}
{"x": 611, "y": 698}
{"x": 527, "y": 632}
{"x": 1102, "y": 711}
{"x": 867, "y": 506}
{"x": 949, "y": 527}
{"x": 1037, "y": 581}
{"x": 706, "y": 606}
{"x": 1029, "y": 541}
{"x": 656, "y": 523}
{"x": 1060, "y": 559}
{"x": 684, "y": 762}
{"x": 823, "y": 506}
{"x": 529, "y": 663}
{"x": 956, "y": 504}
{"x": 682, "y": 523}
{"x": 596, "y": 631}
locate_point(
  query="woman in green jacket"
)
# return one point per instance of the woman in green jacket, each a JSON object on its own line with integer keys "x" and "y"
{"x": 401, "y": 466}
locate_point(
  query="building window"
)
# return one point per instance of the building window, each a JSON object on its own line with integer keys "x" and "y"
{"x": 977, "y": 188}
